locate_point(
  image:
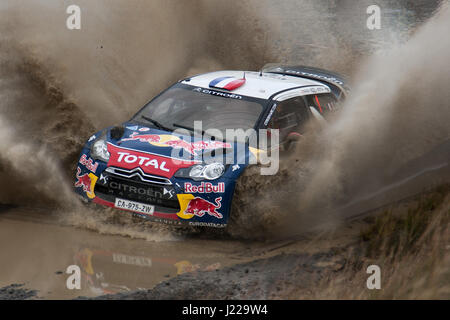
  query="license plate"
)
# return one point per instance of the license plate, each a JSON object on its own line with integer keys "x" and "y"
{"x": 134, "y": 206}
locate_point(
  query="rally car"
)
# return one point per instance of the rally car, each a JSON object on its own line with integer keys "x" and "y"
{"x": 147, "y": 167}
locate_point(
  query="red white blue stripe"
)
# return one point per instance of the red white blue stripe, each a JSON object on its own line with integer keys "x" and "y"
{"x": 227, "y": 83}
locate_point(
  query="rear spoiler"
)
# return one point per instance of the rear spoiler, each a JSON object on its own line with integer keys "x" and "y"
{"x": 337, "y": 83}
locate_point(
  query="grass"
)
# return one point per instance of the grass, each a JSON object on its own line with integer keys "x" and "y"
{"x": 410, "y": 243}
{"x": 395, "y": 235}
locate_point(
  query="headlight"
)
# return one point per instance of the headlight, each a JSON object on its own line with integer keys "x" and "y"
{"x": 196, "y": 171}
{"x": 200, "y": 172}
{"x": 99, "y": 150}
{"x": 213, "y": 171}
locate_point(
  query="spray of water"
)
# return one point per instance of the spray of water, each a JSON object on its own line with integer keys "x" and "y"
{"x": 398, "y": 111}
{"x": 58, "y": 86}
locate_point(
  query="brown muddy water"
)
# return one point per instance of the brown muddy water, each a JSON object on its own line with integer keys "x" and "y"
{"x": 39, "y": 251}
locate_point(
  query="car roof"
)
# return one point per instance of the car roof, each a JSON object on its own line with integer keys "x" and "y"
{"x": 258, "y": 85}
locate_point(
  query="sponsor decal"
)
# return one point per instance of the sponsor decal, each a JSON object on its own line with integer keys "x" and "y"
{"x": 149, "y": 163}
{"x": 227, "y": 83}
{"x": 199, "y": 207}
{"x": 177, "y": 142}
{"x": 166, "y": 193}
{"x": 184, "y": 200}
{"x": 193, "y": 147}
{"x": 87, "y": 182}
{"x": 136, "y": 136}
{"x": 165, "y": 221}
{"x": 88, "y": 163}
{"x": 317, "y": 76}
{"x": 145, "y": 161}
{"x": 218, "y": 93}
{"x": 170, "y": 192}
{"x": 204, "y": 187}
{"x": 144, "y": 129}
{"x": 134, "y": 128}
{"x": 256, "y": 152}
{"x": 103, "y": 179}
{"x": 235, "y": 167}
{"x": 132, "y": 189}
{"x": 207, "y": 224}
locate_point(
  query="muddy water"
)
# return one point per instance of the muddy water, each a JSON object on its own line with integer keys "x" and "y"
{"x": 40, "y": 249}
{"x": 38, "y": 254}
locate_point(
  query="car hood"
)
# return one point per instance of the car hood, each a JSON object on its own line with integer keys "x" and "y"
{"x": 168, "y": 144}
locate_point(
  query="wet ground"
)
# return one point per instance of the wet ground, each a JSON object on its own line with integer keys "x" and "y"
{"x": 38, "y": 254}
{"x": 39, "y": 250}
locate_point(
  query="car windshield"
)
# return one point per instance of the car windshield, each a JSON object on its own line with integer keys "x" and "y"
{"x": 181, "y": 105}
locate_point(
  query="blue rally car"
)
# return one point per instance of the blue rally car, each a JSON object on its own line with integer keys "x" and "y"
{"x": 147, "y": 167}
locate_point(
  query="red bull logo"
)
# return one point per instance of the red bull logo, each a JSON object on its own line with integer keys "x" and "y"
{"x": 205, "y": 187}
{"x": 87, "y": 182}
{"x": 88, "y": 163}
{"x": 83, "y": 181}
{"x": 199, "y": 207}
{"x": 176, "y": 142}
{"x": 135, "y": 136}
{"x": 194, "y": 147}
